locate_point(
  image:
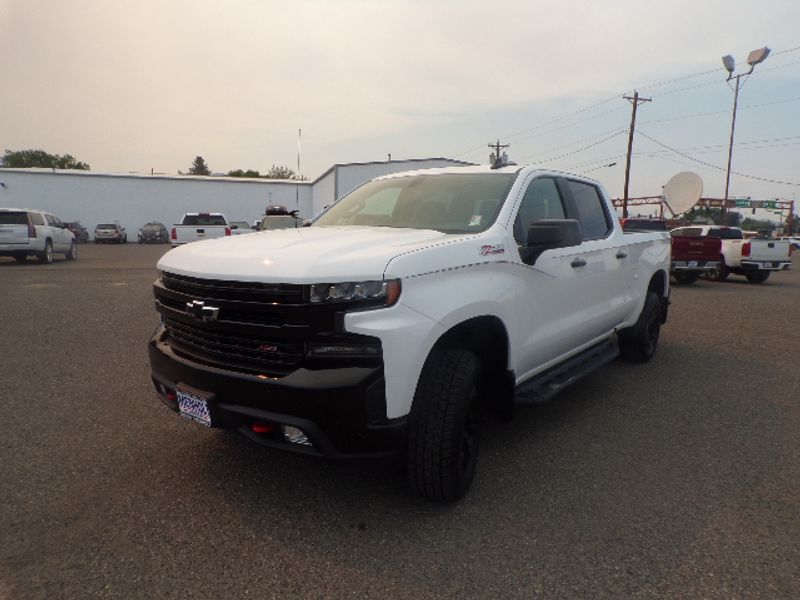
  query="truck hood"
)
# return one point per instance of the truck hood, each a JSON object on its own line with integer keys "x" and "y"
{"x": 305, "y": 255}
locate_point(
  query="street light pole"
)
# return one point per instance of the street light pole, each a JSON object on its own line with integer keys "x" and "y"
{"x": 730, "y": 147}
{"x": 754, "y": 58}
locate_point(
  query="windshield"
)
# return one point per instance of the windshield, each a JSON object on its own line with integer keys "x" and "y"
{"x": 152, "y": 228}
{"x": 450, "y": 203}
{"x": 107, "y": 226}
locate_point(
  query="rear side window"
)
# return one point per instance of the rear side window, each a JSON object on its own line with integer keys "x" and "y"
{"x": 204, "y": 220}
{"x": 541, "y": 201}
{"x": 13, "y": 218}
{"x": 725, "y": 233}
{"x": 687, "y": 232}
{"x": 591, "y": 210}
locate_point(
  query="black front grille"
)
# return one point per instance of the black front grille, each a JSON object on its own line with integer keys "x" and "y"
{"x": 251, "y": 291}
{"x": 253, "y": 327}
{"x": 241, "y": 352}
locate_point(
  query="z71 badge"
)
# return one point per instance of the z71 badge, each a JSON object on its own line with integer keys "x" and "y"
{"x": 495, "y": 249}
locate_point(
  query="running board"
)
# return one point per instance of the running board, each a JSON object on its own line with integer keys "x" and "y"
{"x": 547, "y": 384}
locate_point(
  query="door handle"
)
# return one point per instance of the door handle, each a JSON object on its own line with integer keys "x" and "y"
{"x": 578, "y": 262}
{"x": 621, "y": 254}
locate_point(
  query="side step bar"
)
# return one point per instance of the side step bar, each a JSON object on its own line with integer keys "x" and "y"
{"x": 550, "y": 382}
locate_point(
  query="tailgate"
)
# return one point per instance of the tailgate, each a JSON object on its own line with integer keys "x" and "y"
{"x": 192, "y": 233}
{"x": 13, "y": 227}
{"x": 695, "y": 248}
{"x": 768, "y": 250}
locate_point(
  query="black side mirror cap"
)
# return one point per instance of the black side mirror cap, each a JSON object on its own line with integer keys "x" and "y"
{"x": 549, "y": 234}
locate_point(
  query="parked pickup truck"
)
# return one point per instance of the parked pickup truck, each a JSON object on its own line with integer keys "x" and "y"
{"x": 407, "y": 310}
{"x": 692, "y": 255}
{"x": 754, "y": 258}
{"x": 199, "y": 226}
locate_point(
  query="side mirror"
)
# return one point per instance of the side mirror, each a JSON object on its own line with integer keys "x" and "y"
{"x": 549, "y": 234}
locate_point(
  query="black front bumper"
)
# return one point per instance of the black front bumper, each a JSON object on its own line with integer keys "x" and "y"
{"x": 341, "y": 410}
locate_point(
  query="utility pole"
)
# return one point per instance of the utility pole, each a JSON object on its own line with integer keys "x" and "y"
{"x": 635, "y": 100}
{"x": 497, "y": 146}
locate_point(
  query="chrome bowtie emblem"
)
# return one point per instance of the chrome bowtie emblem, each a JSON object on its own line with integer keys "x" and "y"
{"x": 201, "y": 312}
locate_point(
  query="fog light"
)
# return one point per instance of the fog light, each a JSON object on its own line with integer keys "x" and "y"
{"x": 293, "y": 435}
{"x": 260, "y": 427}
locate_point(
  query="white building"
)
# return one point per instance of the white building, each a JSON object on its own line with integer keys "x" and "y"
{"x": 135, "y": 199}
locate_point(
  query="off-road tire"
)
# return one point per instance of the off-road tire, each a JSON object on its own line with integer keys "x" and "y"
{"x": 46, "y": 256}
{"x": 640, "y": 342}
{"x": 444, "y": 425}
{"x": 757, "y": 276}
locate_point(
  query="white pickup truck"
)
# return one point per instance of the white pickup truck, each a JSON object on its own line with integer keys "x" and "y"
{"x": 755, "y": 258}
{"x": 407, "y": 310}
{"x": 199, "y": 226}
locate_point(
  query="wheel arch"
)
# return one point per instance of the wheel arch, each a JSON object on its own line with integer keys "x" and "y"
{"x": 659, "y": 285}
{"x": 487, "y": 337}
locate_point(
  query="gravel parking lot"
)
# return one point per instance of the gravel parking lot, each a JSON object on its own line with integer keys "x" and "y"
{"x": 676, "y": 479}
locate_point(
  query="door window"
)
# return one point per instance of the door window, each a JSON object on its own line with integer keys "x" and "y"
{"x": 36, "y": 218}
{"x": 591, "y": 210}
{"x": 541, "y": 201}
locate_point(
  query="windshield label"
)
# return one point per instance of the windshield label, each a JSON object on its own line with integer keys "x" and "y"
{"x": 492, "y": 249}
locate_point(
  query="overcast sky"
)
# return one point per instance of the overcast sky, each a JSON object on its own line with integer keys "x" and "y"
{"x": 139, "y": 85}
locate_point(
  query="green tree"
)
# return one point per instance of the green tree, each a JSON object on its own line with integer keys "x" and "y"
{"x": 732, "y": 218}
{"x": 199, "y": 167}
{"x": 24, "y": 159}
{"x": 281, "y": 172}
{"x": 248, "y": 173}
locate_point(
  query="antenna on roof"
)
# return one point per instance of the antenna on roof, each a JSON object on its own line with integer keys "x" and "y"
{"x": 498, "y": 160}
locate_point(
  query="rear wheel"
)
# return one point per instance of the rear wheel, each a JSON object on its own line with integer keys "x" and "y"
{"x": 444, "y": 425}
{"x": 721, "y": 272}
{"x": 757, "y": 276}
{"x": 639, "y": 343}
{"x": 72, "y": 253}
{"x": 47, "y": 255}
{"x": 686, "y": 278}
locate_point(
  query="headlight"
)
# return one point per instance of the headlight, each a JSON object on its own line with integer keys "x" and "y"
{"x": 387, "y": 291}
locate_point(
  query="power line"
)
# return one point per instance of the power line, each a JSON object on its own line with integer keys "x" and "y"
{"x": 712, "y": 166}
{"x": 605, "y": 139}
{"x": 653, "y": 85}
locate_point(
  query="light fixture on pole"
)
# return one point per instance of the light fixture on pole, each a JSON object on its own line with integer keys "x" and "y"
{"x": 754, "y": 58}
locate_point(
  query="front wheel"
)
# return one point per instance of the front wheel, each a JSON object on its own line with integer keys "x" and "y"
{"x": 444, "y": 425}
{"x": 757, "y": 276}
{"x": 639, "y": 343}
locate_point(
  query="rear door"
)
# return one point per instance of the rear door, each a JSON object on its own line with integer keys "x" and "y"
{"x": 14, "y": 227}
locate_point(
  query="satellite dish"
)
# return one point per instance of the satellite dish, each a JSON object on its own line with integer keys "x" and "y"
{"x": 682, "y": 192}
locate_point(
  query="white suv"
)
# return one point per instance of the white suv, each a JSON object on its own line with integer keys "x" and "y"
{"x": 25, "y": 232}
